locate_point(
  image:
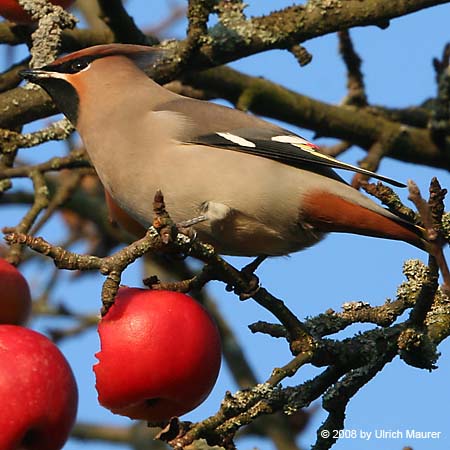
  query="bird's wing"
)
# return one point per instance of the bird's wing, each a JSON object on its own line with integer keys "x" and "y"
{"x": 221, "y": 127}
{"x": 286, "y": 148}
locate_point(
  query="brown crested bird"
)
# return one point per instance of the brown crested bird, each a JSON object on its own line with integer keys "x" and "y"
{"x": 256, "y": 189}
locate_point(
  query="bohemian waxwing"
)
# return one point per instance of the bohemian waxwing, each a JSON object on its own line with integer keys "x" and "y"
{"x": 262, "y": 190}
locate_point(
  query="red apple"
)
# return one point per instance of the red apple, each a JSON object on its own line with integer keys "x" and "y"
{"x": 38, "y": 391}
{"x": 11, "y": 10}
{"x": 15, "y": 299}
{"x": 160, "y": 355}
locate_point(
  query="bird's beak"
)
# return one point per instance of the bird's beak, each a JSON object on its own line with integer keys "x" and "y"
{"x": 34, "y": 75}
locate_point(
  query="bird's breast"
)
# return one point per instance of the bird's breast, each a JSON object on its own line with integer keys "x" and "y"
{"x": 234, "y": 232}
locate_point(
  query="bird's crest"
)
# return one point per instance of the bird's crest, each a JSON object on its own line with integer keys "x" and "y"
{"x": 143, "y": 56}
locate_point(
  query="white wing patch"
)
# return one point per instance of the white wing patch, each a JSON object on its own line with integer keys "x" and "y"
{"x": 311, "y": 148}
{"x": 237, "y": 139}
{"x": 302, "y": 143}
{"x": 294, "y": 140}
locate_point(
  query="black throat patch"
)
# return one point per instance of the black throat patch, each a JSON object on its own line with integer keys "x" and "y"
{"x": 64, "y": 95}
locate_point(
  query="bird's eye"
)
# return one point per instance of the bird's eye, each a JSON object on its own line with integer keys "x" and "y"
{"x": 77, "y": 66}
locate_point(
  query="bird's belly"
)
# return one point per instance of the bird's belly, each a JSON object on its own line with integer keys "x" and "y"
{"x": 256, "y": 200}
{"x": 229, "y": 230}
{"x": 240, "y": 235}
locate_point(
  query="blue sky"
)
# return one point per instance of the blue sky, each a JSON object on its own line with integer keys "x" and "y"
{"x": 342, "y": 268}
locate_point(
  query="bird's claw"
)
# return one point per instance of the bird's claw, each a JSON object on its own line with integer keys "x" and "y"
{"x": 251, "y": 289}
{"x": 253, "y": 286}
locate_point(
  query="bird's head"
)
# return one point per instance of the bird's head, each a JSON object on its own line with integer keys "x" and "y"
{"x": 68, "y": 78}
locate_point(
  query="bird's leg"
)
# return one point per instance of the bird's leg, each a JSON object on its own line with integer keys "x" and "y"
{"x": 249, "y": 269}
{"x": 192, "y": 222}
{"x": 186, "y": 226}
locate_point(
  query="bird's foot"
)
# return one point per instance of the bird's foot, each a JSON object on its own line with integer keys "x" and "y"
{"x": 191, "y": 222}
{"x": 248, "y": 273}
{"x": 185, "y": 227}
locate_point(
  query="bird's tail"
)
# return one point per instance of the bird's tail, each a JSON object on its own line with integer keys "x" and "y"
{"x": 356, "y": 214}
{"x": 351, "y": 212}
{"x": 414, "y": 235}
